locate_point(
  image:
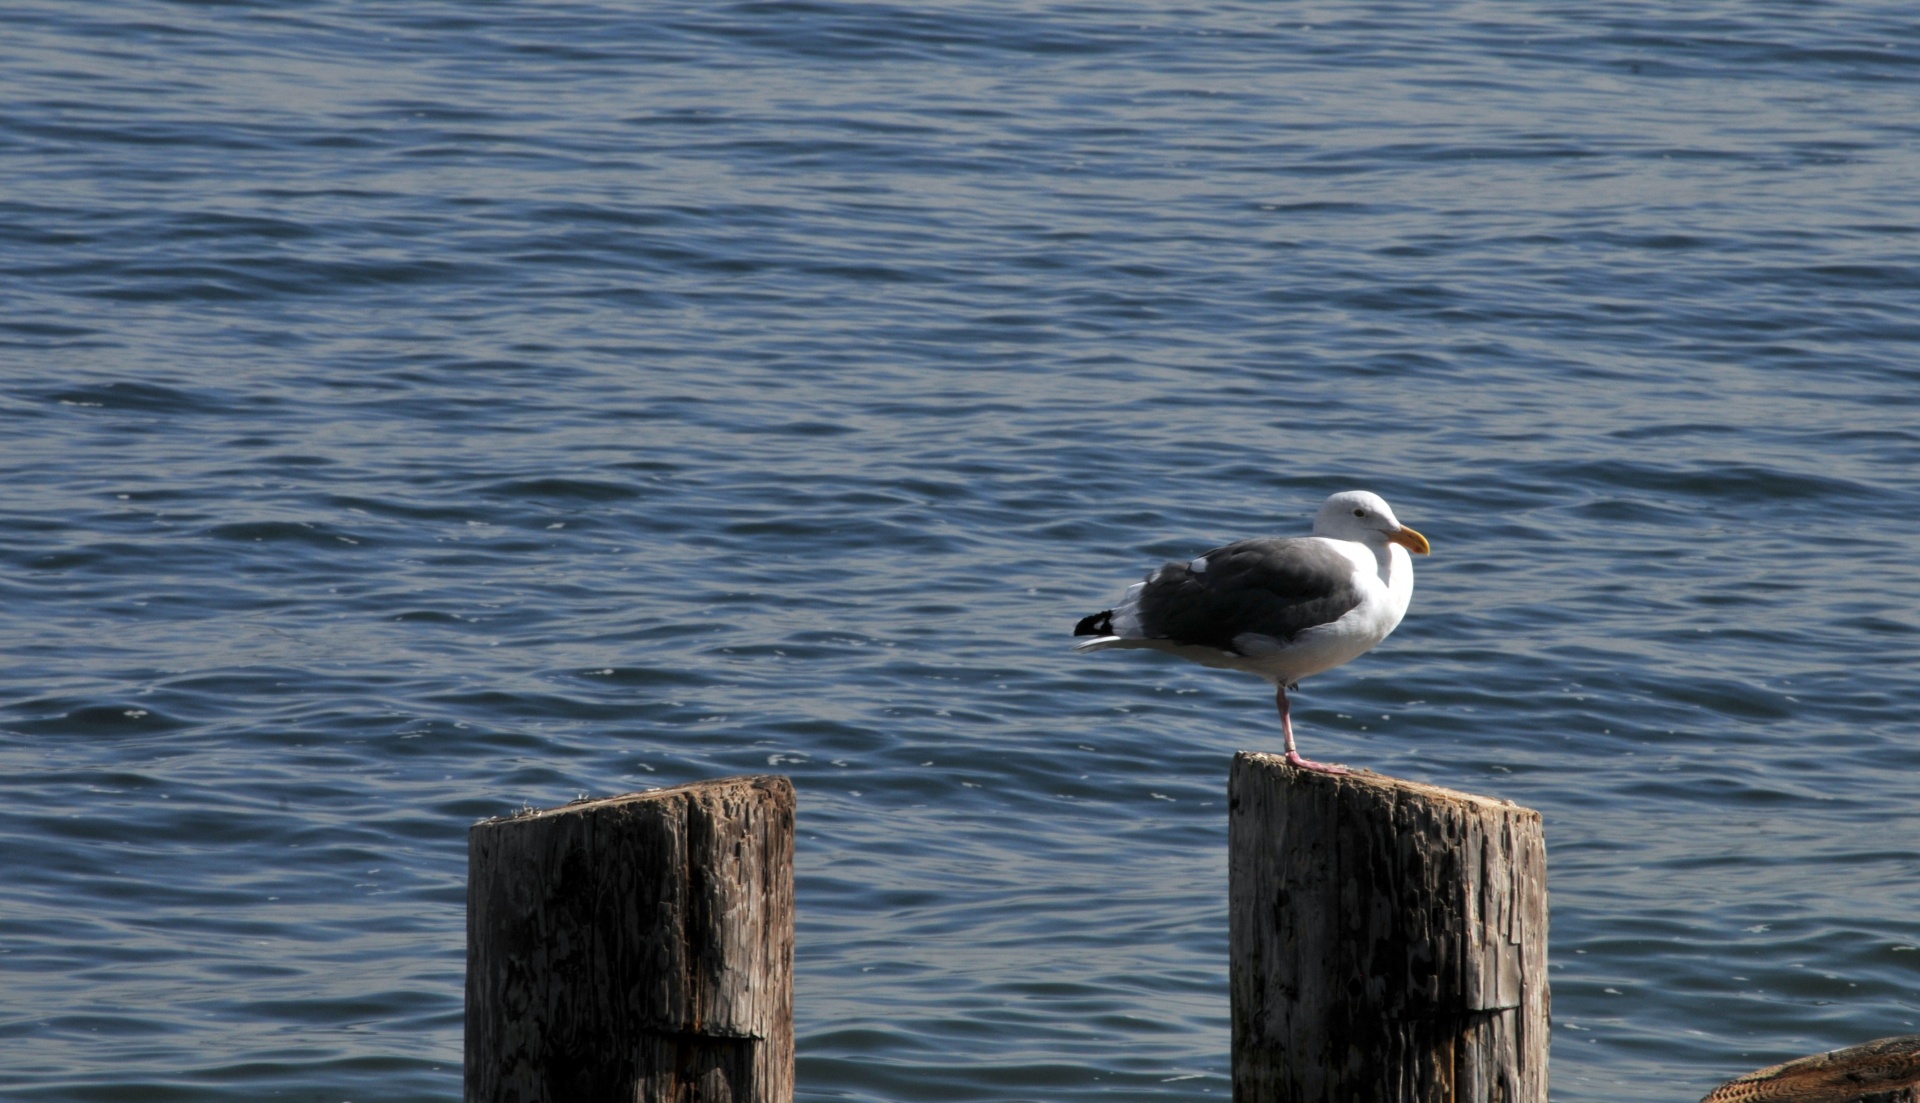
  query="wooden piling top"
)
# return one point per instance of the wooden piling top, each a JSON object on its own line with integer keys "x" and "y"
{"x": 1381, "y": 785}
{"x": 1875, "y": 1070}
{"x": 779, "y": 788}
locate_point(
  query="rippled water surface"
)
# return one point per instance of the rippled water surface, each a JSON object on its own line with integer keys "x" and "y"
{"x": 414, "y": 411}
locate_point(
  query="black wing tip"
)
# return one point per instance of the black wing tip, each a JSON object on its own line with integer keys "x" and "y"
{"x": 1099, "y": 624}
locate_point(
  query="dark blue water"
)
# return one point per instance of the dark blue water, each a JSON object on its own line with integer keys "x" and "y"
{"x": 412, "y": 411}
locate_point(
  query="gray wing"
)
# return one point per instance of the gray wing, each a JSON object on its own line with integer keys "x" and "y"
{"x": 1273, "y": 586}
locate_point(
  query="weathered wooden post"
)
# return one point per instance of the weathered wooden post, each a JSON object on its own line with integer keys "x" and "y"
{"x": 1388, "y": 941}
{"x": 638, "y": 948}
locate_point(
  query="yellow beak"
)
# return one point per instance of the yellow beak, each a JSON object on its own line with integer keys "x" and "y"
{"x": 1410, "y": 540}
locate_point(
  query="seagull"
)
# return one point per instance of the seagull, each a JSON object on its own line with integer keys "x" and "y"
{"x": 1282, "y": 607}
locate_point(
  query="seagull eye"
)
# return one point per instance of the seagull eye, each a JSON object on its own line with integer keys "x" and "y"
{"x": 1359, "y": 513}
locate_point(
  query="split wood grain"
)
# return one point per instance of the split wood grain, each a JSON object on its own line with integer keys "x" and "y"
{"x": 1388, "y": 941}
{"x": 638, "y": 949}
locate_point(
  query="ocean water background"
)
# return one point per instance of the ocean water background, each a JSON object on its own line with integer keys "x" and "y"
{"x": 415, "y": 411}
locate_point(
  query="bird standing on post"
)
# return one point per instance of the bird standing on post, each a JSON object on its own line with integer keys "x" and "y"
{"x": 1282, "y": 607}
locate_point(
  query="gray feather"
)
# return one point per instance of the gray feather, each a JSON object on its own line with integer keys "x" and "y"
{"x": 1270, "y": 586}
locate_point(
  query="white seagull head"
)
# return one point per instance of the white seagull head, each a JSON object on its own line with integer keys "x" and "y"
{"x": 1366, "y": 517}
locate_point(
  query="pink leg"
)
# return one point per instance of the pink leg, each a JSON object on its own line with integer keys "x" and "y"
{"x": 1293, "y": 756}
